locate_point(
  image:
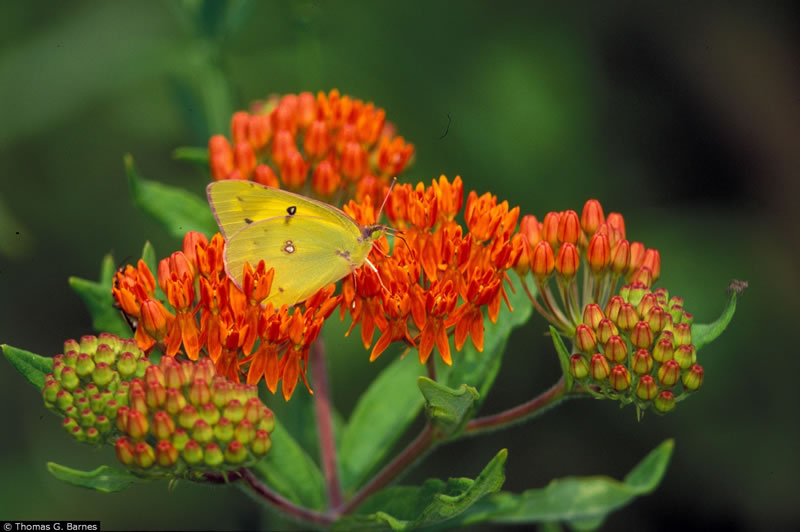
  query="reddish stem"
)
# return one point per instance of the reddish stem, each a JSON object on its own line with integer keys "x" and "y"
{"x": 284, "y": 505}
{"x": 327, "y": 442}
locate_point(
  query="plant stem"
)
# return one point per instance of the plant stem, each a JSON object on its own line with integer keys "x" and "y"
{"x": 415, "y": 450}
{"x": 519, "y": 413}
{"x": 283, "y": 505}
{"x": 327, "y": 442}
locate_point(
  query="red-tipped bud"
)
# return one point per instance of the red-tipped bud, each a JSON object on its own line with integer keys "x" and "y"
{"x": 212, "y": 455}
{"x": 643, "y": 277}
{"x": 652, "y": 260}
{"x": 529, "y": 228}
{"x": 569, "y": 227}
{"x": 550, "y": 228}
{"x": 175, "y": 401}
{"x": 619, "y": 379}
{"x": 627, "y": 317}
{"x": 641, "y": 362}
{"x": 620, "y": 257}
{"x": 592, "y": 314}
{"x": 239, "y": 123}
{"x": 64, "y": 400}
{"x": 124, "y": 449}
{"x": 105, "y": 354}
{"x": 203, "y": 370}
{"x": 267, "y": 420}
{"x": 641, "y": 335}
{"x": 646, "y": 389}
{"x": 202, "y": 431}
{"x": 192, "y": 452}
{"x": 84, "y": 365}
{"x": 693, "y": 378}
{"x": 663, "y": 350}
{"x": 598, "y": 254}
{"x": 669, "y": 373}
{"x": 234, "y": 411}
{"x": 180, "y": 438}
{"x": 617, "y": 223}
{"x": 592, "y": 216}
{"x": 221, "y": 391}
{"x": 209, "y": 413}
{"x": 163, "y": 426}
{"x": 236, "y": 453}
{"x": 685, "y": 355}
{"x": 166, "y": 454}
{"x": 599, "y": 368}
{"x": 665, "y": 401}
{"x": 637, "y": 256}
{"x": 578, "y": 366}
{"x": 353, "y": 160}
{"x": 317, "y": 141}
{"x": 682, "y": 333}
{"x": 325, "y": 180}
{"x": 199, "y": 392}
{"x": 613, "y": 306}
{"x": 294, "y": 170}
{"x": 264, "y": 175}
{"x": 126, "y": 365}
{"x": 245, "y": 432}
{"x": 522, "y": 265}
{"x": 188, "y": 417}
{"x": 542, "y": 260}
{"x": 648, "y": 301}
{"x": 156, "y": 395}
{"x": 138, "y": 400}
{"x": 244, "y": 158}
{"x": 568, "y": 259}
{"x": 261, "y": 444}
{"x": 605, "y": 330}
{"x": 657, "y": 319}
{"x": 616, "y": 350}
{"x": 585, "y": 339}
{"x": 137, "y": 426}
{"x": 223, "y": 430}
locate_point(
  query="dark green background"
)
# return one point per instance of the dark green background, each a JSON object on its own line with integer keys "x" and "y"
{"x": 686, "y": 120}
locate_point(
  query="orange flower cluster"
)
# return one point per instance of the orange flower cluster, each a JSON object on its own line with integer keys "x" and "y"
{"x": 435, "y": 283}
{"x": 557, "y": 247}
{"x": 212, "y": 314}
{"x": 336, "y": 139}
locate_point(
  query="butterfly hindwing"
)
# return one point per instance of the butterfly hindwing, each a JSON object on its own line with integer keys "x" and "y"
{"x": 307, "y": 253}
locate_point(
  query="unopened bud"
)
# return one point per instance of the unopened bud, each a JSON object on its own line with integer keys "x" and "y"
{"x": 261, "y": 443}
{"x": 192, "y": 453}
{"x": 685, "y": 356}
{"x": 144, "y": 456}
{"x": 616, "y": 350}
{"x": 163, "y": 425}
{"x": 585, "y": 339}
{"x": 244, "y": 432}
{"x": 592, "y": 314}
{"x": 619, "y": 378}
{"x": 599, "y": 368}
{"x": 235, "y": 453}
{"x": 646, "y": 388}
{"x": 124, "y": 449}
{"x": 166, "y": 454}
{"x": 641, "y": 362}
{"x": 669, "y": 373}
{"x": 212, "y": 455}
{"x": 665, "y": 401}
{"x": 202, "y": 431}
{"x": 693, "y": 378}
{"x": 682, "y": 333}
{"x": 578, "y": 366}
{"x": 605, "y": 330}
{"x": 641, "y": 335}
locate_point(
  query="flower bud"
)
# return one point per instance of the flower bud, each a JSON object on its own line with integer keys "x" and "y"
{"x": 616, "y": 350}
{"x": 188, "y": 417}
{"x": 244, "y": 432}
{"x": 578, "y": 366}
{"x": 528, "y": 228}
{"x": 202, "y": 431}
{"x": 126, "y": 365}
{"x": 209, "y": 413}
{"x": 124, "y": 450}
{"x": 192, "y": 453}
{"x": 175, "y": 401}
{"x": 627, "y": 317}
{"x": 685, "y": 356}
{"x": 592, "y": 314}
{"x": 663, "y": 350}
{"x": 637, "y": 256}
{"x": 652, "y": 261}
{"x": 137, "y": 426}
{"x": 568, "y": 260}
{"x": 669, "y": 373}
{"x": 267, "y": 420}
{"x": 646, "y": 388}
{"x": 223, "y": 430}
{"x": 598, "y": 367}
{"x": 641, "y": 335}
{"x": 105, "y": 354}
{"x": 693, "y": 378}
{"x": 144, "y": 456}
{"x": 613, "y": 307}
{"x": 235, "y": 453}
{"x": 542, "y": 260}
{"x": 619, "y": 378}
{"x": 620, "y": 257}
{"x": 641, "y": 362}
{"x": 156, "y": 395}
{"x": 550, "y": 228}
{"x": 88, "y": 344}
{"x": 264, "y": 175}
{"x": 199, "y": 392}
{"x": 50, "y": 391}
{"x": 592, "y": 216}
{"x": 103, "y": 375}
{"x": 138, "y": 400}
{"x": 166, "y": 454}
{"x": 585, "y": 339}
{"x": 163, "y": 426}
{"x": 605, "y": 330}
{"x": 84, "y": 365}
{"x": 682, "y": 333}
{"x": 64, "y": 400}
{"x": 665, "y": 401}
{"x": 180, "y": 438}
{"x": 657, "y": 319}
{"x": 212, "y": 455}
{"x": 103, "y": 424}
{"x": 569, "y": 227}
{"x": 598, "y": 254}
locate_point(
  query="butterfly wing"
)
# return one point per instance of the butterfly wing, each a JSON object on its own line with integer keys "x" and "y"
{"x": 307, "y": 253}
{"x": 238, "y": 203}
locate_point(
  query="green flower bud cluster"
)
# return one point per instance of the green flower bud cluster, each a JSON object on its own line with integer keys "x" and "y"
{"x": 171, "y": 419}
{"x": 639, "y": 350}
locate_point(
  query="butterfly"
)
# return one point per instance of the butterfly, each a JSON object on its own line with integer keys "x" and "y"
{"x": 310, "y": 244}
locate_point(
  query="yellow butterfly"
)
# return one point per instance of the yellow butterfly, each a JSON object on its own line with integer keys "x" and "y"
{"x": 310, "y": 244}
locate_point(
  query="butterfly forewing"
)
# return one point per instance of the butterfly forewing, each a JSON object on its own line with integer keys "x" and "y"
{"x": 237, "y": 204}
{"x": 307, "y": 253}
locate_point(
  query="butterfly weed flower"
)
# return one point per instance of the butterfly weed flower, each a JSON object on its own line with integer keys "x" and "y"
{"x": 171, "y": 419}
{"x": 633, "y": 342}
{"x": 334, "y": 139}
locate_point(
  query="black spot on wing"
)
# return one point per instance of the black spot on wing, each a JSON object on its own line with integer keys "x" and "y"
{"x": 292, "y": 210}
{"x": 248, "y": 221}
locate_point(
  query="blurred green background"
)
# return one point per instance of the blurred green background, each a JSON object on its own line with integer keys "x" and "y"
{"x": 685, "y": 119}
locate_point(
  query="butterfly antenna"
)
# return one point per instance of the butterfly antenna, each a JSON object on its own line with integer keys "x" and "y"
{"x": 386, "y": 198}
{"x": 377, "y": 273}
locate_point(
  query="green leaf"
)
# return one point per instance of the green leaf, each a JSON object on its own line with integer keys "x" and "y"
{"x": 32, "y": 366}
{"x": 291, "y": 472}
{"x": 98, "y": 299}
{"x": 176, "y": 209}
{"x": 383, "y": 412}
{"x": 582, "y": 502}
{"x": 479, "y": 369}
{"x": 563, "y": 356}
{"x": 192, "y": 154}
{"x": 433, "y": 503}
{"x": 703, "y": 334}
{"x": 104, "y": 478}
{"x": 448, "y": 409}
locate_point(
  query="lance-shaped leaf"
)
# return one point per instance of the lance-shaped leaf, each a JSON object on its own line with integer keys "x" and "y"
{"x": 32, "y": 366}
{"x": 291, "y": 472}
{"x": 104, "y": 478}
{"x": 582, "y": 502}
{"x": 705, "y": 333}
{"x": 563, "y": 356}
{"x": 383, "y": 412}
{"x": 98, "y": 299}
{"x": 176, "y": 209}
{"x": 434, "y": 503}
{"x": 448, "y": 409}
